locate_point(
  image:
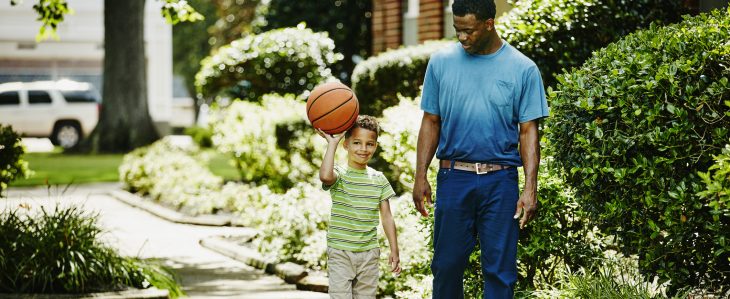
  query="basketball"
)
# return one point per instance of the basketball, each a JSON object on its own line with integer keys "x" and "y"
{"x": 332, "y": 107}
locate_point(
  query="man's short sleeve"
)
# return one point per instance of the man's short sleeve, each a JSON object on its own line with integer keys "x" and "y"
{"x": 338, "y": 172}
{"x": 386, "y": 192}
{"x": 430, "y": 95}
{"x": 533, "y": 104}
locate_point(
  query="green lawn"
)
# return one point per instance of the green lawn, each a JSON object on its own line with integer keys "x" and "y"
{"x": 56, "y": 168}
{"x": 220, "y": 165}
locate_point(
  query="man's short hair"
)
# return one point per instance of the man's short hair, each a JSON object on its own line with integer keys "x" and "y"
{"x": 481, "y": 9}
{"x": 366, "y": 122}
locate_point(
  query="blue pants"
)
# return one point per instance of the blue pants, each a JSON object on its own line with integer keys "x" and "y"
{"x": 470, "y": 205}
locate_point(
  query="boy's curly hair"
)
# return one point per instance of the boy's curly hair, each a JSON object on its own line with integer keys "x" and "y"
{"x": 366, "y": 122}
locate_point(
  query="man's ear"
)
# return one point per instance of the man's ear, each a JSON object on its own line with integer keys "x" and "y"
{"x": 490, "y": 24}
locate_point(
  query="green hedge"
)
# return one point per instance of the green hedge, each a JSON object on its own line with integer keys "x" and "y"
{"x": 562, "y": 34}
{"x": 287, "y": 60}
{"x": 377, "y": 80}
{"x": 11, "y": 152}
{"x": 635, "y": 124}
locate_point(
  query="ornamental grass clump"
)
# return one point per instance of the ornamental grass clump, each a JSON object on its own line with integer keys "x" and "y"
{"x": 634, "y": 126}
{"x": 60, "y": 252}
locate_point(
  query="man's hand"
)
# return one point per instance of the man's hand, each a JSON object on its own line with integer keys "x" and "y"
{"x": 527, "y": 206}
{"x": 421, "y": 194}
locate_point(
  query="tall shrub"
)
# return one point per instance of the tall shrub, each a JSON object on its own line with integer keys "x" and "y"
{"x": 11, "y": 152}
{"x": 287, "y": 60}
{"x": 634, "y": 125}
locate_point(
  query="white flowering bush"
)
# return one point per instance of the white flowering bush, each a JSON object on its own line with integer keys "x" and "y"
{"x": 173, "y": 176}
{"x": 397, "y": 142}
{"x": 286, "y": 60}
{"x": 271, "y": 142}
{"x": 294, "y": 225}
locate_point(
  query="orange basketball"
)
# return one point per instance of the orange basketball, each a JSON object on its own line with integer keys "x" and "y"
{"x": 332, "y": 107}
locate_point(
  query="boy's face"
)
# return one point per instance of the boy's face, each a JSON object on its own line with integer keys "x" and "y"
{"x": 360, "y": 147}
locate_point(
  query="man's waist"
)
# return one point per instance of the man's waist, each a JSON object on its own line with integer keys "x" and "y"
{"x": 479, "y": 168}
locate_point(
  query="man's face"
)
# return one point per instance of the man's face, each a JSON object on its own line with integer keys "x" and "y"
{"x": 473, "y": 34}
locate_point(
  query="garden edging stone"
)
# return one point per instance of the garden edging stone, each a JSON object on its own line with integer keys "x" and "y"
{"x": 170, "y": 214}
{"x": 291, "y": 273}
{"x": 150, "y": 293}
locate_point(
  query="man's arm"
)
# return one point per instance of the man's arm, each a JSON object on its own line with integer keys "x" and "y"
{"x": 428, "y": 138}
{"x": 530, "y": 154}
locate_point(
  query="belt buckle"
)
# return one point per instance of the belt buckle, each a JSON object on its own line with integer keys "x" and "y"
{"x": 478, "y": 165}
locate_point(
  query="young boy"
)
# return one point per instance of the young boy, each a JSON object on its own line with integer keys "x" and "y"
{"x": 358, "y": 193}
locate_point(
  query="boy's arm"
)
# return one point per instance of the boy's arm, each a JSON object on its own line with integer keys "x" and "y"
{"x": 326, "y": 171}
{"x": 390, "y": 233}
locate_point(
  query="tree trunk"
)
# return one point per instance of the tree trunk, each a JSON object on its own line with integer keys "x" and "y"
{"x": 124, "y": 121}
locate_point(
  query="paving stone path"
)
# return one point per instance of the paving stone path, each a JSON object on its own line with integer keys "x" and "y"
{"x": 204, "y": 273}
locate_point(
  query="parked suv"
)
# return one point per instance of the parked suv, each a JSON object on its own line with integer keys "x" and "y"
{"x": 64, "y": 111}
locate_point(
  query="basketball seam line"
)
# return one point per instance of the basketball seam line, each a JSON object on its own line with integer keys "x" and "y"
{"x": 317, "y": 98}
{"x": 357, "y": 109}
{"x": 333, "y": 109}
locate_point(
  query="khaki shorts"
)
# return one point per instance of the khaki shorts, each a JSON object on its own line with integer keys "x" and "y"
{"x": 353, "y": 274}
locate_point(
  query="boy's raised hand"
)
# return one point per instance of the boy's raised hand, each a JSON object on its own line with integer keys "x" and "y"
{"x": 394, "y": 261}
{"x": 328, "y": 137}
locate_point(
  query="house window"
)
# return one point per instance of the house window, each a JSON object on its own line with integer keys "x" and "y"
{"x": 410, "y": 22}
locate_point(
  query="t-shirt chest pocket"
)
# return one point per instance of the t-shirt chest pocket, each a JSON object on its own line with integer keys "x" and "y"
{"x": 503, "y": 93}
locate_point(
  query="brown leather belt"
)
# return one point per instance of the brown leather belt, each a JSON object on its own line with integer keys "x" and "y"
{"x": 479, "y": 168}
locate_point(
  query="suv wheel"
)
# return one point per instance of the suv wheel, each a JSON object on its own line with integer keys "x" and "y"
{"x": 67, "y": 134}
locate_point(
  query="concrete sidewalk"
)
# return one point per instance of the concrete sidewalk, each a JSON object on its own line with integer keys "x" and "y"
{"x": 204, "y": 274}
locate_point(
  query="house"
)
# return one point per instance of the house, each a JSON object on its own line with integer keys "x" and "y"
{"x": 410, "y": 22}
{"x": 78, "y": 53}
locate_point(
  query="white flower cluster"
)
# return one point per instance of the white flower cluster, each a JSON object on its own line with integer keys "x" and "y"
{"x": 294, "y": 225}
{"x": 400, "y": 126}
{"x": 248, "y": 131}
{"x": 172, "y": 176}
{"x": 258, "y": 59}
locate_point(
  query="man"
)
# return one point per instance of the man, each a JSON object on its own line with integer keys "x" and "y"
{"x": 482, "y": 101}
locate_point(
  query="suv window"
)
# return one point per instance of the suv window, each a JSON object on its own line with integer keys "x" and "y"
{"x": 38, "y": 97}
{"x": 79, "y": 96}
{"x": 9, "y": 98}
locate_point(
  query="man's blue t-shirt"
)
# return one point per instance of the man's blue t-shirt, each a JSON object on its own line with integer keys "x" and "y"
{"x": 481, "y": 100}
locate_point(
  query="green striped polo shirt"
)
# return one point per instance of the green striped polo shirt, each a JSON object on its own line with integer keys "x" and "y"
{"x": 356, "y": 198}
